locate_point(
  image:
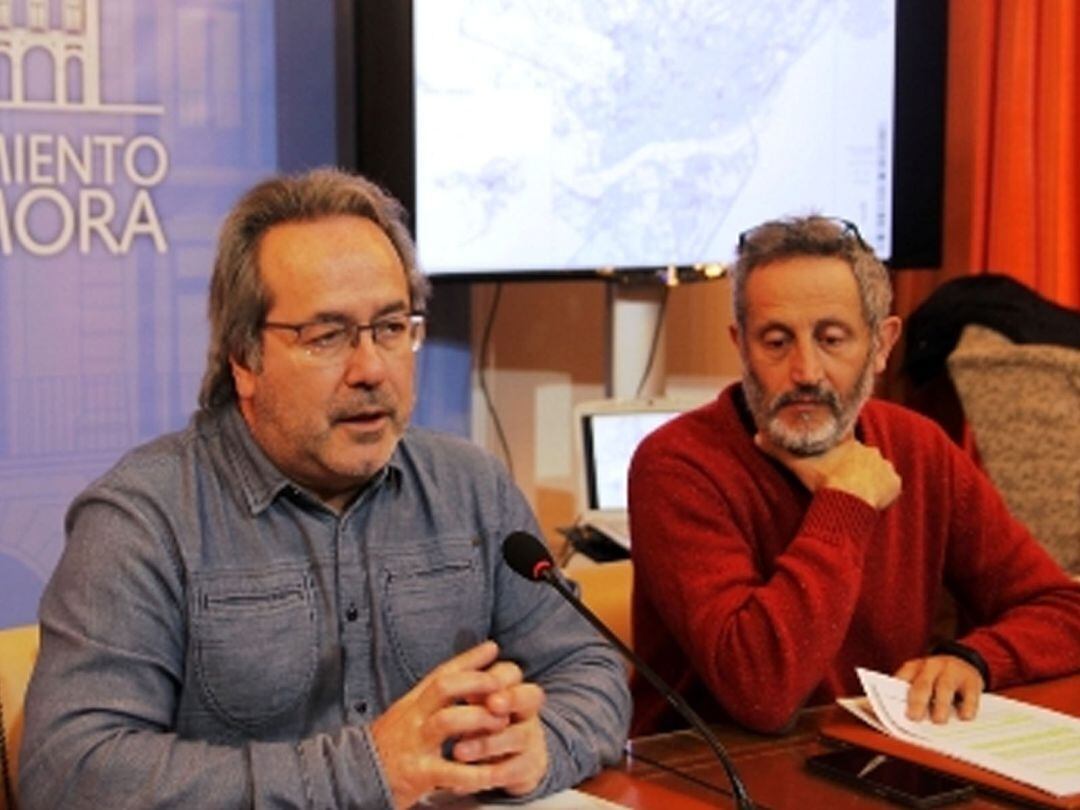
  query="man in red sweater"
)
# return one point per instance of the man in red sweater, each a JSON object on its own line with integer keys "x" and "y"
{"x": 795, "y": 528}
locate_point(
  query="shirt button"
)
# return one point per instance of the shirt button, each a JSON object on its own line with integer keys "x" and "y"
{"x": 360, "y": 706}
{"x": 351, "y": 613}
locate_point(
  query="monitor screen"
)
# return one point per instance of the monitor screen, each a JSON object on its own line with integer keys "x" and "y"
{"x": 610, "y": 441}
{"x": 576, "y": 137}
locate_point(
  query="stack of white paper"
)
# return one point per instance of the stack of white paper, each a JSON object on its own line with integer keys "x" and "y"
{"x": 1030, "y": 744}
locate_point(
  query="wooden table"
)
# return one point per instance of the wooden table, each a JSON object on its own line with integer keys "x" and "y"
{"x": 677, "y": 770}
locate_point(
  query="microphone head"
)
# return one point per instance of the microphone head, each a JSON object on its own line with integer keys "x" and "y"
{"x": 527, "y": 556}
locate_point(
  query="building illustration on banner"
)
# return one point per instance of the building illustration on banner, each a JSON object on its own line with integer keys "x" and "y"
{"x": 73, "y": 43}
{"x": 127, "y": 129}
{"x": 50, "y": 61}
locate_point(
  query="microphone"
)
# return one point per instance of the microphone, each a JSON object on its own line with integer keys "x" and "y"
{"x": 528, "y": 557}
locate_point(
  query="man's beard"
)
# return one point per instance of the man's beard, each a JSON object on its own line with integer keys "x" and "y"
{"x": 809, "y": 440}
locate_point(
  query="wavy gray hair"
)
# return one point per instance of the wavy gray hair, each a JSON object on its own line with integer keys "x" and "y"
{"x": 239, "y": 300}
{"x": 813, "y": 235}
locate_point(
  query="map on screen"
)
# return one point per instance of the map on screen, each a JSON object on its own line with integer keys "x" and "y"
{"x": 583, "y": 134}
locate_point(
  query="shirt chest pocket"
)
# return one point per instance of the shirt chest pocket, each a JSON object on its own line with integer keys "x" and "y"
{"x": 255, "y": 643}
{"x": 434, "y": 610}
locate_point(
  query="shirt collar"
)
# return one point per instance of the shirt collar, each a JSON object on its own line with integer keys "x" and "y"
{"x": 260, "y": 480}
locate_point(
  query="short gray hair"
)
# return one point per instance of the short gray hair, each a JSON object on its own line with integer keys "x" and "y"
{"x": 239, "y": 300}
{"x": 813, "y": 235}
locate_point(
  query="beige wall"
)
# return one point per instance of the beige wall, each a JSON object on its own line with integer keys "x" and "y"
{"x": 548, "y": 353}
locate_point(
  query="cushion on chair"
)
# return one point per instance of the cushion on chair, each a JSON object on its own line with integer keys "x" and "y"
{"x": 1023, "y": 405}
{"x": 605, "y": 590}
{"x": 18, "y": 652}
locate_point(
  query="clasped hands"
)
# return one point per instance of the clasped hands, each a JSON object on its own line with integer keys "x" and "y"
{"x": 482, "y": 711}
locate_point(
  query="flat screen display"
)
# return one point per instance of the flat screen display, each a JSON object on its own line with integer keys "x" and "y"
{"x": 610, "y": 442}
{"x": 573, "y": 136}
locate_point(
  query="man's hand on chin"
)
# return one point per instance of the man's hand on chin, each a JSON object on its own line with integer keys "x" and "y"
{"x": 849, "y": 466}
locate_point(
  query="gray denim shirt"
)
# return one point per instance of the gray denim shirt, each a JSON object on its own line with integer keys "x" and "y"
{"x": 214, "y": 636}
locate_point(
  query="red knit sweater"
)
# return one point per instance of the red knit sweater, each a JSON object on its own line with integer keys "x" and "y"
{"x": 755, "y": 597}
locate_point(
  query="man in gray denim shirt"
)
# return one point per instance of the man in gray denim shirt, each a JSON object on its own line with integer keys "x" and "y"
{"x": 299, "y": 601}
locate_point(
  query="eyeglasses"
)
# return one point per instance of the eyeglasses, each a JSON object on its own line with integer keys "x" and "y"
{"x": 328, "y": 340}
{"x": 803, "y": 230}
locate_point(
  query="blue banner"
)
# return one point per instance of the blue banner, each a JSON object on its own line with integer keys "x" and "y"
{"x": 127, "y": 129}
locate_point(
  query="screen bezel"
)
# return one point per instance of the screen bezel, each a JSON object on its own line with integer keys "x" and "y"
{"x": 384, "y": 111}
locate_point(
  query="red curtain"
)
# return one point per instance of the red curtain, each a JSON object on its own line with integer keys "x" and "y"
{"x": 1012, "y": 154}
{"x": 1012, "y": 165}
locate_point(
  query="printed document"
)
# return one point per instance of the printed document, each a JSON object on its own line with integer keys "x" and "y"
{"x": 1030, "y": 744}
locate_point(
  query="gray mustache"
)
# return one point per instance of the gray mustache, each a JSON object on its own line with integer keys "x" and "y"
{"x": 363, "y": 402}
{"x": 812, "y": 394}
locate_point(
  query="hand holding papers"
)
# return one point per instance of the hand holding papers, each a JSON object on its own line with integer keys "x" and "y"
{"x": 1030, "y": 744}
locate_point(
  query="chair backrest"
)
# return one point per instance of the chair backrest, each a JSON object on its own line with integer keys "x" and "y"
{"x": 1022, "y": 402}
{"x": 18, "y": 652}
{"x": 605, "y": 590}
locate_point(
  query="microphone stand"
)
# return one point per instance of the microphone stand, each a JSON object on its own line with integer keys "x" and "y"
{"x": 738, "y": 790}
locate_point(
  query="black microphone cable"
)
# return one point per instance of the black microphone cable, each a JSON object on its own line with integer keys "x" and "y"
{"x": 530, "y": 558}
